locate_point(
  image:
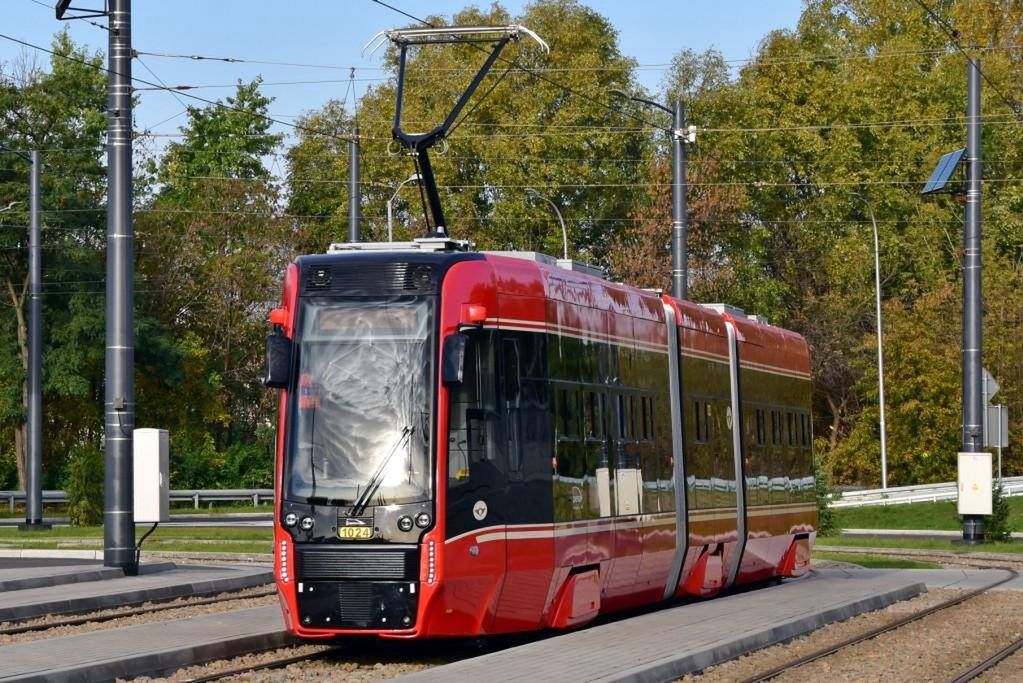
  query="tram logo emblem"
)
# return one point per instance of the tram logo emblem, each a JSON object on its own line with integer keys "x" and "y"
{"x": 479, "y": 510}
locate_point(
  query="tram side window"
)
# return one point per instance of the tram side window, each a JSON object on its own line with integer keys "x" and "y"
{"x": 775, "y": 428}
{"x": 701, "y": 414}
{"x": 468, "y": 442}
{"x": 512, "y": 387}
{"x": 632, "y": 418}
{"x": 568, "y": 414}
{"x": 761, "y": 427}
{"x": 791, "y": 424}
{"x": 594, "y": 417}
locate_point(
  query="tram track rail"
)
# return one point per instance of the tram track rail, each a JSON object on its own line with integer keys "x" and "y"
{"x": 123, "y": 612}
{"x": 948, "y": 558}
{"x": 278, "y": 663}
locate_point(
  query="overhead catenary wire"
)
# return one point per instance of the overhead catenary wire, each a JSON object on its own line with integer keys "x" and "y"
{"x": 953, "y": 35}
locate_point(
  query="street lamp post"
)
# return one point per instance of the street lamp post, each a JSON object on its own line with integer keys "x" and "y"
{"x": 34, "y": 446}
{"x": 880, "y": 347}
{"x": 679, "y": 212}
{"x": 390, "y": 204}
{"x": 557, "y": 211}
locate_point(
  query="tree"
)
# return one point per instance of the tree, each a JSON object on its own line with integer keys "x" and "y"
{"x": 520, "y": 131}
{"x": 211, "y": 253}
{"x": 59, "y": 111}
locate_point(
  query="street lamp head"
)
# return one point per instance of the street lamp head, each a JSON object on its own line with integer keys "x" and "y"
{"x": 9, "y": 206}
{"x": 413, "y": 178}
{"x": 618, "y": 93}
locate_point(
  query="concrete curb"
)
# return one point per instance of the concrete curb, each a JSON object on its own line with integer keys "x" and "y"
{"x": 672, "y": 667}
{"x": 45, "y": 553}
{"x": 76, "y": 574}
{"x": 665, "y": 645}
{"x": 162, "y": 663}
{"x": 246, "y": 578}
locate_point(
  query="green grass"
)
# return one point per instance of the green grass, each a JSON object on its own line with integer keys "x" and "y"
{"x": 917, "y": 544}
{"x": 185, "y": 539}
{"x": 940, "y": 516}
{"x": 876, "y": 561}
{"x": 182, "y": 508}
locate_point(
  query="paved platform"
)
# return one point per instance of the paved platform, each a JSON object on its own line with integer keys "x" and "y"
{"x": 164, "y": 581}
{"x": 670, "y": 643}
{"x": 154, "y": 648}
{"x": 961, "y": 579}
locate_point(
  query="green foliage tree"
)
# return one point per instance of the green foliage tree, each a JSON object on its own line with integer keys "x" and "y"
{"x": 211, "y": 253}
{"x": 520, "y": 131}
{"x": 59, "y": 110}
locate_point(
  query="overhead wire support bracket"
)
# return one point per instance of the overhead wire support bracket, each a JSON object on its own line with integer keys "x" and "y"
{"x": 419, "y": 143}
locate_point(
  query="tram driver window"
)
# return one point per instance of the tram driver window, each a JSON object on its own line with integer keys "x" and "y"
{"x": 512, "y": 388}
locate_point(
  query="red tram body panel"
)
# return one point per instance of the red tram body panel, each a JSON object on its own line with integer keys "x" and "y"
{"x": 475, "y": 444}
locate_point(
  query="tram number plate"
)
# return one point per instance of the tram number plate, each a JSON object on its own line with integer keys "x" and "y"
{"x": 355, "y": 533}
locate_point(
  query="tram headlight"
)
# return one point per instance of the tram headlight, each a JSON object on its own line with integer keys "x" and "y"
{"x": 405, "y": 523}
{"x": 290, "y": 519}
{"x": 306, "y": 524}
{"x": 423, "y": 520}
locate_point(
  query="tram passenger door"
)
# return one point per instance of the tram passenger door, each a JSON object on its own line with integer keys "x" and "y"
{"x": 476, "y": 489}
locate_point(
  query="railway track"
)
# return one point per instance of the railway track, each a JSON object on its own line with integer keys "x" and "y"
{"x": 277, "y": 663}
{"x": 1005, "y": 564}
{"x": 131, "y": 610}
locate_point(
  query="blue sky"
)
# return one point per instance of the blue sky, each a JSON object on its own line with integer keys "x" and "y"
{"x": 333, "y": 32}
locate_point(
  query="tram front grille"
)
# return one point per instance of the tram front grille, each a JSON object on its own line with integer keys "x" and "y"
{"x": 356, "y": 602}
{"x": 379, "y": 563}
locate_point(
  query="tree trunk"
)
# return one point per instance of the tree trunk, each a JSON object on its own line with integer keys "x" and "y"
{"x": 836, "y": 420}
{"x": 21, "y": 431}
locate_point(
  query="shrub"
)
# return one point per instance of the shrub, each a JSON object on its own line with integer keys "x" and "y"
{"x": 85, "y": 485}
{"x": 8, "y": 472}
{"x": 825, "y": 515}
{"x": 996, "y": 525}
{"x": 194, "y": 461}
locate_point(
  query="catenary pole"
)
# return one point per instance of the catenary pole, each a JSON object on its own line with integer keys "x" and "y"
{"x": 973, "y": 409}
{"x": 679, "y": 217}
{"x": 119, "y": 401}
{"x": 34, "y": 452}
{"x": 354, "y": 193}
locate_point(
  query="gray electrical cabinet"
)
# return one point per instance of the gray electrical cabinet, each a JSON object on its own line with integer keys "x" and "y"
{"x": 151, "y": 475}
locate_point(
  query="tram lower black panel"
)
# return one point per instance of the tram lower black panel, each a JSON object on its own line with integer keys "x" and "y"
{"x": 358, "y": 604}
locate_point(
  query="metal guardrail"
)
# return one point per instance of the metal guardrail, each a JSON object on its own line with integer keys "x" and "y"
{"x": 920, "y": 493}
{"x": 196, "y": 496}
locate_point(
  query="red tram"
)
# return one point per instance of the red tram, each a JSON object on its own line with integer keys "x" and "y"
{"x": 479, "y": 443}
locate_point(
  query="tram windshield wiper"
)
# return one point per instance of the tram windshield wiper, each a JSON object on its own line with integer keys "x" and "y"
{"x": 374, "y": 481}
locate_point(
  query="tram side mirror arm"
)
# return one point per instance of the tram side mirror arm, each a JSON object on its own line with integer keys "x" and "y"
{"x": 453, "y": 359}
{"x": 277, "y": 371}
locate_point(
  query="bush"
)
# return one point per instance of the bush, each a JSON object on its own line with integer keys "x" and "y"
{"x": 8, "y": 472}
{"x": 996, "y": 525}
{"x": 248, "y": 466}
{"x": 85, "y": 485}
{"x": 194, "y": 461}
{"x": 825, "y": 515}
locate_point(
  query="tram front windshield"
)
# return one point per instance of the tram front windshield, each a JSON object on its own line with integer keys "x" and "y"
{"x": 360, "y": 402}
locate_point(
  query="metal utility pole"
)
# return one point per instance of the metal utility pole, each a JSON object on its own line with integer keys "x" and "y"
{"x": 34, "y": 452}
{"x": 880, "y": 344}
{"x": 119, "y": 405}
{"x": 354, "y": 192}
{"x": 34, "y": 446}
{"x": 973, "y": 408}
{"x": 679, "y": 212}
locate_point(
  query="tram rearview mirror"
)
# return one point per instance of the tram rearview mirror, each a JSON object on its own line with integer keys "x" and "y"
{"x": 278, "y": 360}
{"x": 453, "y": 359}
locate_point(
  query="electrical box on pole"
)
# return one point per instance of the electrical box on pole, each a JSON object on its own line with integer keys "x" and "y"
{"x": 151, "y": 475}
{"x": 975, "y": 483}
